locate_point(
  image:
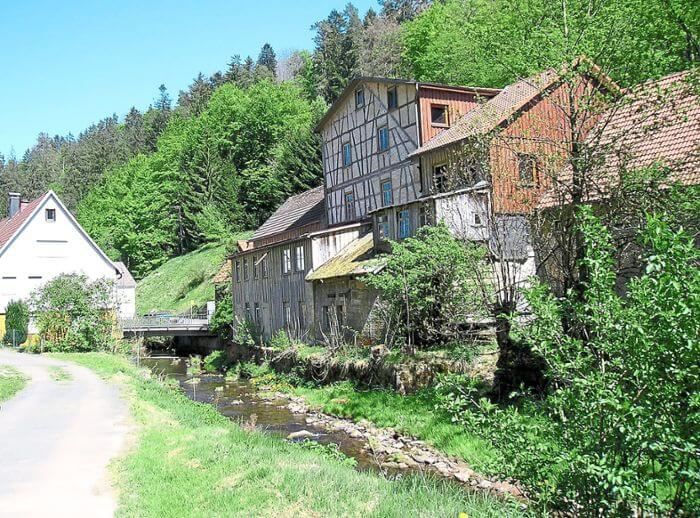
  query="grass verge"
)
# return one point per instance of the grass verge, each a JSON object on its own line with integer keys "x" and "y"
{"x": 59, "y": 374}
{"x": 189, "y": 460}
{"x": 11, "y": 382}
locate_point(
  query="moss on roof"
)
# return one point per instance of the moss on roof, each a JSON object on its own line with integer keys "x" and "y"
{"x": 357, "y": 258}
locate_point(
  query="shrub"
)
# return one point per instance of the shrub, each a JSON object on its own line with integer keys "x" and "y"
{"x": 216, "y": 361}
{"x": 222, "y": 319}
{"x": 75, "y": 314}
{"x": 431, "y": 287}
{"x": 619, "y": 432}
{"x": 16, "y": 323}
{"x": 280, "y": 340}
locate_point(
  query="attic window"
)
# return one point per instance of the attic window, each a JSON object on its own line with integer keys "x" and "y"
{"x": 392, "y": 98}
{"x": 527, "y": 169}
{"x": 359, "y": 98}
{"x": 439, "y": 115}
{"x": 50, "y": 215}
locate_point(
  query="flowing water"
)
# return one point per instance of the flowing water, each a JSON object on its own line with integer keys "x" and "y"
{"x": 239, "y": 401}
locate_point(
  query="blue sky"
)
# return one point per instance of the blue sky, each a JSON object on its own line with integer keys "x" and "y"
{"x": 66, "y": 64}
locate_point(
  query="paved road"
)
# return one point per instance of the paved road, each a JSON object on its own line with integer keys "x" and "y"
{"x": 56, "y": 440}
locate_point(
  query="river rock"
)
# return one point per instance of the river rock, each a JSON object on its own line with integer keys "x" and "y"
{"x": 301, "y": 434}
{"x": 424, "y": 458}
{"x": 485, "y": 484}
{"x": 356, "y": 434}
{"x": 464, "y": 475}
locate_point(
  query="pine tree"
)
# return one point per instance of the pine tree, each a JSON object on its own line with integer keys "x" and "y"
{"x": 268, "y": 59}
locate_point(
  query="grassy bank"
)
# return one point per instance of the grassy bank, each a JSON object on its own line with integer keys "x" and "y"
{"x": 11, "y": 382}
{"x": 182, "y": 282}
{"x": 191, "y": 461}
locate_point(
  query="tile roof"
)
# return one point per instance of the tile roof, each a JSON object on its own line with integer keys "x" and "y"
{"x": 356, "y": 258}
{"x": 298, "y": 211}
{"x": 125, "y": 280}
{"x": 493, "y": 112}
{"x": 9, "y": 226}
{"x": 657, "y": 122}
{"x": 224, "y": 273}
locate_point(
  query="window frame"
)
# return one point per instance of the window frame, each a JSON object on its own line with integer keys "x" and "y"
{"x": 347, "y": 156}
{"x": 401, "y": 221}
{"x": 51, "y": 212}
{"x": 383, "y": 148}
{"x": 350, "y": 213}
{"x": 389, "y": 191}
{"x": 395, "y": 104}
{"x": 238, "y": 270}
{"x": 383, "y": 225}
{"x": 264, "y": 270}
{"x": 286, "y": 261}
{"x": 256, "y": 273}
{"x": 525, "y": 160}
{"x": 445, "y": 108}
{"x": 246, "y": 271}
{"x": 441, "y": 185}
{"x": 297, "y": 266}
{"x": 359, "y": 98}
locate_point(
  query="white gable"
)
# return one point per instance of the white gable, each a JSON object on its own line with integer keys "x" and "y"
{"x": 43, "y": 249}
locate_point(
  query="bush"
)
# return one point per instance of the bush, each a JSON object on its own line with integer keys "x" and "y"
{"x": 280, "y": 340}
{"x": 16, "y": 323}
{"x": 216, "y": 361}
{"x": 75, "y": 314}
{"x": 619, "y": 432}
{"x": 222, "y": 319}
{"x": 431, "y": 287}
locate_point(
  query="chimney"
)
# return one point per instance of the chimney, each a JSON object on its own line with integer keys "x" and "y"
{"x": 13, "y": 206}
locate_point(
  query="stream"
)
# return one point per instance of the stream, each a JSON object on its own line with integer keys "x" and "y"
{"x": 239, "y": 401}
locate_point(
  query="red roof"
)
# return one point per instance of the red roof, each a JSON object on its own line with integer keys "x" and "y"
{"x": 658, "y": 122}
{"x": 10, "y": 226}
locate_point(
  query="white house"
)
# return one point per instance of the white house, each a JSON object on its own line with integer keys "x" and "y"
{"x": 40, "y": 240}
{"x": 126, "y": 291}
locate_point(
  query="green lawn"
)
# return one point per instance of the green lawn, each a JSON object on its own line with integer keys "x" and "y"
{"x": 414, "y": 415}
{"x": 189, "y": 460}
{"x": 181, "y": 282}
{"x": 11, "y": 382}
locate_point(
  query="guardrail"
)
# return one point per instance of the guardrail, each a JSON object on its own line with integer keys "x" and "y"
{"x": 166, "y": 322}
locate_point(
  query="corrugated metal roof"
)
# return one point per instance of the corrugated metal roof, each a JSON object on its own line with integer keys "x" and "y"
{"x": 357, "y": 258}
{"x": 298, "y": 211}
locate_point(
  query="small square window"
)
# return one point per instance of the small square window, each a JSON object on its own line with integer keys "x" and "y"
{"x": 387, "y": 194}
{"x": 392, "y": 98}
{"x": 347, "y": 154}
{"x": 439, "y": 115}
{"x": 477, "y": 219}
{"x": 50, "y": 214}
{"x": 359, "y": 98}
{"x": 383, "y": 138}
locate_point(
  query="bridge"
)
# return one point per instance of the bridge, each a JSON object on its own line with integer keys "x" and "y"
{"x": 166, "y": 325}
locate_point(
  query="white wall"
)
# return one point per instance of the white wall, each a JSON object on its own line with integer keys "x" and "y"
{"x": 45, "y": 250}
{"x": 126, "y": 298}
{"x": 458, "y": 210}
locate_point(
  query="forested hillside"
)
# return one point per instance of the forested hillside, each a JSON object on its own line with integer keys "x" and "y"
{"x": 152, "y": 185}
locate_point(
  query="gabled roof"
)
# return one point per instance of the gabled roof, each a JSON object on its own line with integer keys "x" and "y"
{"x": 657, "y": 122}
{"x": 125, "y": 280}
{"x": 352, "y": 85}
{"x": 10, "y": 226}
{"x": 356, "y": 258}
{"x": 493, "y": 112}
{"x": 298, "y": 211}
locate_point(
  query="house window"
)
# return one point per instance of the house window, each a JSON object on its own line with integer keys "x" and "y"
{"x": 286, "y": 260}
{"x": 477, "y": 219}
{"x": 387, "y": 194}
{"x": 527, "y": 169}
{"x": 383, "y": 138}
{"x": 383, "y": 225}
{"x": 439, "y": 115}
{"x": 255, "y": 268}
{"x": 238, "y": 271}
{"x": 263, "y": 266}
{"x": 347, "y": 154}
{"x": 287, "y": 310}
{"x": 245, "y": 269}
{"x": 440, "y": 178}
{"x": 404, "y": 218}
{"x": 299, "y": 258}
{"x": 422, "y": 216}
{"x": 349, "y": 206}
{"x": 359, "y": 98}
{"x": 50, "y": 215}
{"x": 248, "y": 315}
{"x": 392, "y": 98}
{"x": 258, "y": 314}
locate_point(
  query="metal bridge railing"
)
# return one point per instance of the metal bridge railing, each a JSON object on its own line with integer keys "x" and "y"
{"x": 165, "y": 321}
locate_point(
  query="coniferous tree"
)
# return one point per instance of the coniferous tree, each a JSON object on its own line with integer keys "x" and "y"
{"x": 268, "y": 59}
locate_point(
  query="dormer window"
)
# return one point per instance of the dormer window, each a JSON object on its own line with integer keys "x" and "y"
{"x": 50, "y": 215}
{"x": 392, "y": 98}
{"x": 359, "y": 98}
{"x": 439, "y": 115}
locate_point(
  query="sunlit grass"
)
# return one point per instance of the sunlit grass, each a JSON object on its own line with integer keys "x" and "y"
{"x": 11, "y": 382}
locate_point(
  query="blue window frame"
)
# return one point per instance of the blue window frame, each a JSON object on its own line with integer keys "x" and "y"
{"x": 387, "y": 194}
{"x": 383, "y": 138}
{"x": 404, "y": 224}
{"x": 347, "y": 154}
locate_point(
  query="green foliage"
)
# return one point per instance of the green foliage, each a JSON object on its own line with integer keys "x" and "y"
{"x": 280, "y": 340}
{"x": 16, "y": 322}
{"x": 11, "y": 382}
{"x": 619, "y": 432}
{"x": 216, "y": 361}
{"x": 493, "y": 43}
{"x": 74, "y": 313}
{"x": 430, "y": 283}
{"x": 331, "y": 451}
{"x": 222, "y": 320}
